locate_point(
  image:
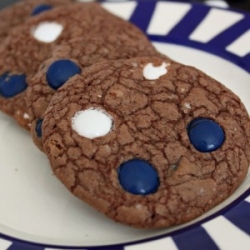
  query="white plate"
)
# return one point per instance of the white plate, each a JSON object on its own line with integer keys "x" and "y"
{"x": 36, "y": 211}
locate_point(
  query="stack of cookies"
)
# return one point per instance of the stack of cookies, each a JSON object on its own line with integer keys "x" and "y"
{"x": 145, "y": 140}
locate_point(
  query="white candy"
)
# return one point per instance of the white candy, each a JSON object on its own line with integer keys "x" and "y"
{"x": 151, "y": 72}
{"x": 47, "y": 32}
{"x": 187, "y": 105}
{"x": 92, "y": 123}
{"x": 26, "y": 116}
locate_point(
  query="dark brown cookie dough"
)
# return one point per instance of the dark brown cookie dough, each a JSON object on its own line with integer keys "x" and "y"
{"x": 126, "y": 42}
{"x": 17, "y": 13}
{"x": 148, "y": 143}
{"x": 28, "y": 45}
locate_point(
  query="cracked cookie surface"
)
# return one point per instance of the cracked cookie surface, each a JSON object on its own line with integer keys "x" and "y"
{"x": 30, "y": 44}
{"x": 122, "y": 43}
{"x": 122, "y": 136}
{"x": 17, "y": 13}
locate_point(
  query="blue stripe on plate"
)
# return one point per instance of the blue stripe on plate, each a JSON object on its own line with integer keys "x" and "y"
{"x": 142, "y": 14}
{"x": 115, "y": 247}
{"x": 195, "y": 239}
{"x": 244, "y": 63}
{"x": 180, "y": 33}
{"x": 246, "y": 59}
{"x": 240, "y": 216}
{"x": 24, "y": 246}
{"x": 231, "y": 34}
{"x": 188, "y": 24}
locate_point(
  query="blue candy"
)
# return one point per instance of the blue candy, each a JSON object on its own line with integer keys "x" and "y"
{"x": 39, "y": 128}
{"x": 138, "y": 177}
{"x": 12, "y": 85}
{"x": 2, "y": 77}
{"x": 205, "y": 134}
{"x": 40, "y": 8}
{"x": 60, "y": 71}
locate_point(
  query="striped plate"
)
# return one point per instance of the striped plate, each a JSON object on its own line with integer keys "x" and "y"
{"x": 36, "y": 213}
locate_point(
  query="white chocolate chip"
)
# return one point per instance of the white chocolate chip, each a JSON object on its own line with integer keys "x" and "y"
{"x": 151, "y": 72}
{"x": 26, "y": 116}
{"x": 187, "y": 105}
{"x": 47, "y": 32}
{"x": 92, "y": 123}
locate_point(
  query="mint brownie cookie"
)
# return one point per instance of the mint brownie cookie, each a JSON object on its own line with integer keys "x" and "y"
{"x": 124, "y": 41}
{"x": 148, "y": 142}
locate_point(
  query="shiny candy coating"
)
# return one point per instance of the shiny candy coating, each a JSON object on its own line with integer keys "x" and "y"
{"x": 12, "y": 85}
{"x": 205, "y": 134}
{"x": 138, "y": 177}
{"x": 39, "y": 127}
{"x": 60, "y": 71}
{"x": 40, "y": 8}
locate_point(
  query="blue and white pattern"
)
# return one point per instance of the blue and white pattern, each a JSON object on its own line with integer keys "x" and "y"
{"x": 188, "y": 26}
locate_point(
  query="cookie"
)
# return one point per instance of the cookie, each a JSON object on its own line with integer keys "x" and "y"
{"x": 28, "y": 45}
{"x": 147, "y": 142}
{"x": 73, "y": 57}
{"x": 17, "y": 13}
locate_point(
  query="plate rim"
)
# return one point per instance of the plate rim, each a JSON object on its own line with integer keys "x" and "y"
{"x": 165, "y": 39}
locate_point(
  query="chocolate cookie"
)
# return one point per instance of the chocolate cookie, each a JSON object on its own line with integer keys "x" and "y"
{"x": 28, "y": 45}
{"x": 17, "y": 13}
{"x": 147, "y": 142}
{"x": 71, "y": 58}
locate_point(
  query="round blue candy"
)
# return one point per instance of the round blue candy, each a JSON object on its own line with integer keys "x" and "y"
{"x": 205, "y": 134}
{"x": 40, "y": 8}
{"x": 12, "y": 85}
{"x": 138, "y": 177}
{"x": 39, "y": 128}
{"x": 60, "y": 71}
{"x": 2, "y": 77}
